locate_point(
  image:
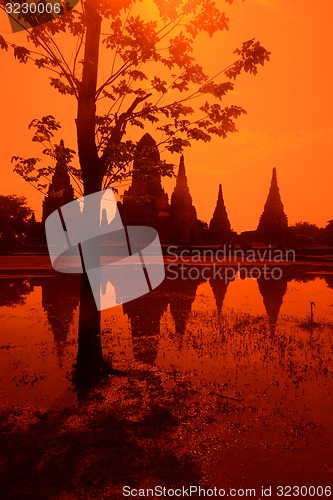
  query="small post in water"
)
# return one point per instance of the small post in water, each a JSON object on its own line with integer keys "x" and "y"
{"x": 312, "y": 305}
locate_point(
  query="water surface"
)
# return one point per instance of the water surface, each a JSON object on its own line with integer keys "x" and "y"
{"x": 240, "y": 367}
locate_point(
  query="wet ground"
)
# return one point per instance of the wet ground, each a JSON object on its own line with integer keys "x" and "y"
{"x": 216, "y": 383}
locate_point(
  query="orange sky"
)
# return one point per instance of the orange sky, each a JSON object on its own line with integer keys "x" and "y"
{"x": 289, "y": 122}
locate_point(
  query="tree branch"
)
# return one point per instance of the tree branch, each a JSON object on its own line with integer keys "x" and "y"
{"x": 120, "y": 126}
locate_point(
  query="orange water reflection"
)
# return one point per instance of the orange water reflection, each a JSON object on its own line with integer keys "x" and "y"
{"x": 237, "y": 364}
{"x": 247, "y": 332}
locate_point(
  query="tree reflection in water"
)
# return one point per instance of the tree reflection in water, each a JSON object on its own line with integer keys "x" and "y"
{"x": 14, "y": 291}
{"x": 144, "y": 314}
{"x": 62, "y": 294}
{"x": 231, "y": 411}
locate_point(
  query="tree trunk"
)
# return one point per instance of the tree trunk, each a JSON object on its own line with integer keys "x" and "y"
{"x": 90, "y": 362}
{"x": 91, "y": 165}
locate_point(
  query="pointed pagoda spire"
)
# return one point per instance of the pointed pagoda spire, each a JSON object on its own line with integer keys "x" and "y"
{"x": 181, "y": 197}
{"x": 60, "y": 298}
{"x": 104, "y": 219}
{"x": 219, "y": 227}
{"x": 219, "y": 288}
{"x": 272, "y": 292}
{"x": 273, "y": 223}
{"x": 183, "y": 213}
{"x": 274, "y": 192}
{"x": 60, "y": 190}
{"x": 182, "y": 296}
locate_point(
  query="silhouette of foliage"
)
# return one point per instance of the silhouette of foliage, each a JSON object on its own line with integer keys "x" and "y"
{"x": 14, "y": 292}
{"x": 305, "y": 228}
{"x": 307, "y": 233}
{"x": 151, "y": 78}
{"x": 14, "y": 216}
{"x": 27, "y": 167}
{"x": 326, "y": 236}
{"x": 304, "y": 233}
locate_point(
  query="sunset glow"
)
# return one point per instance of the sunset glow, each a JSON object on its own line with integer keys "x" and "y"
{"x": 166, "y": 250}
{"x": 288, "y": 124}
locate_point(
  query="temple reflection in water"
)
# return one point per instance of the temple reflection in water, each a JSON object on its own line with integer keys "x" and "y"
{"x": 60, "y": 297}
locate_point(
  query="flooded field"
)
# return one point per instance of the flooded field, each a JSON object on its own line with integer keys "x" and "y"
{"x": 225, "y": 384}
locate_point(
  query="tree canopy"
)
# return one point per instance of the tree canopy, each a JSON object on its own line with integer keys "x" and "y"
{"x": 130, "y": 65}
{"x": 15, "y": 216}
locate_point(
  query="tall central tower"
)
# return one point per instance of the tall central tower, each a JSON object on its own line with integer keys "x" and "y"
{"x": 145, "y": 203}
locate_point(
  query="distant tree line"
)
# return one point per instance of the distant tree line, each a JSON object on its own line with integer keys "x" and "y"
{"x": 305, "y": 233}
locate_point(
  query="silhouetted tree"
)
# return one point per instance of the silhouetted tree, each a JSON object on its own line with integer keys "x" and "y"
{"x": 149, "y": 78}
{"x": 304, "y": 232}
{"x": 14, "y": 292}
{"x": 137, "y": 39}
{"x": 326, "y": 236}
{"x": 14, "y": 216}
